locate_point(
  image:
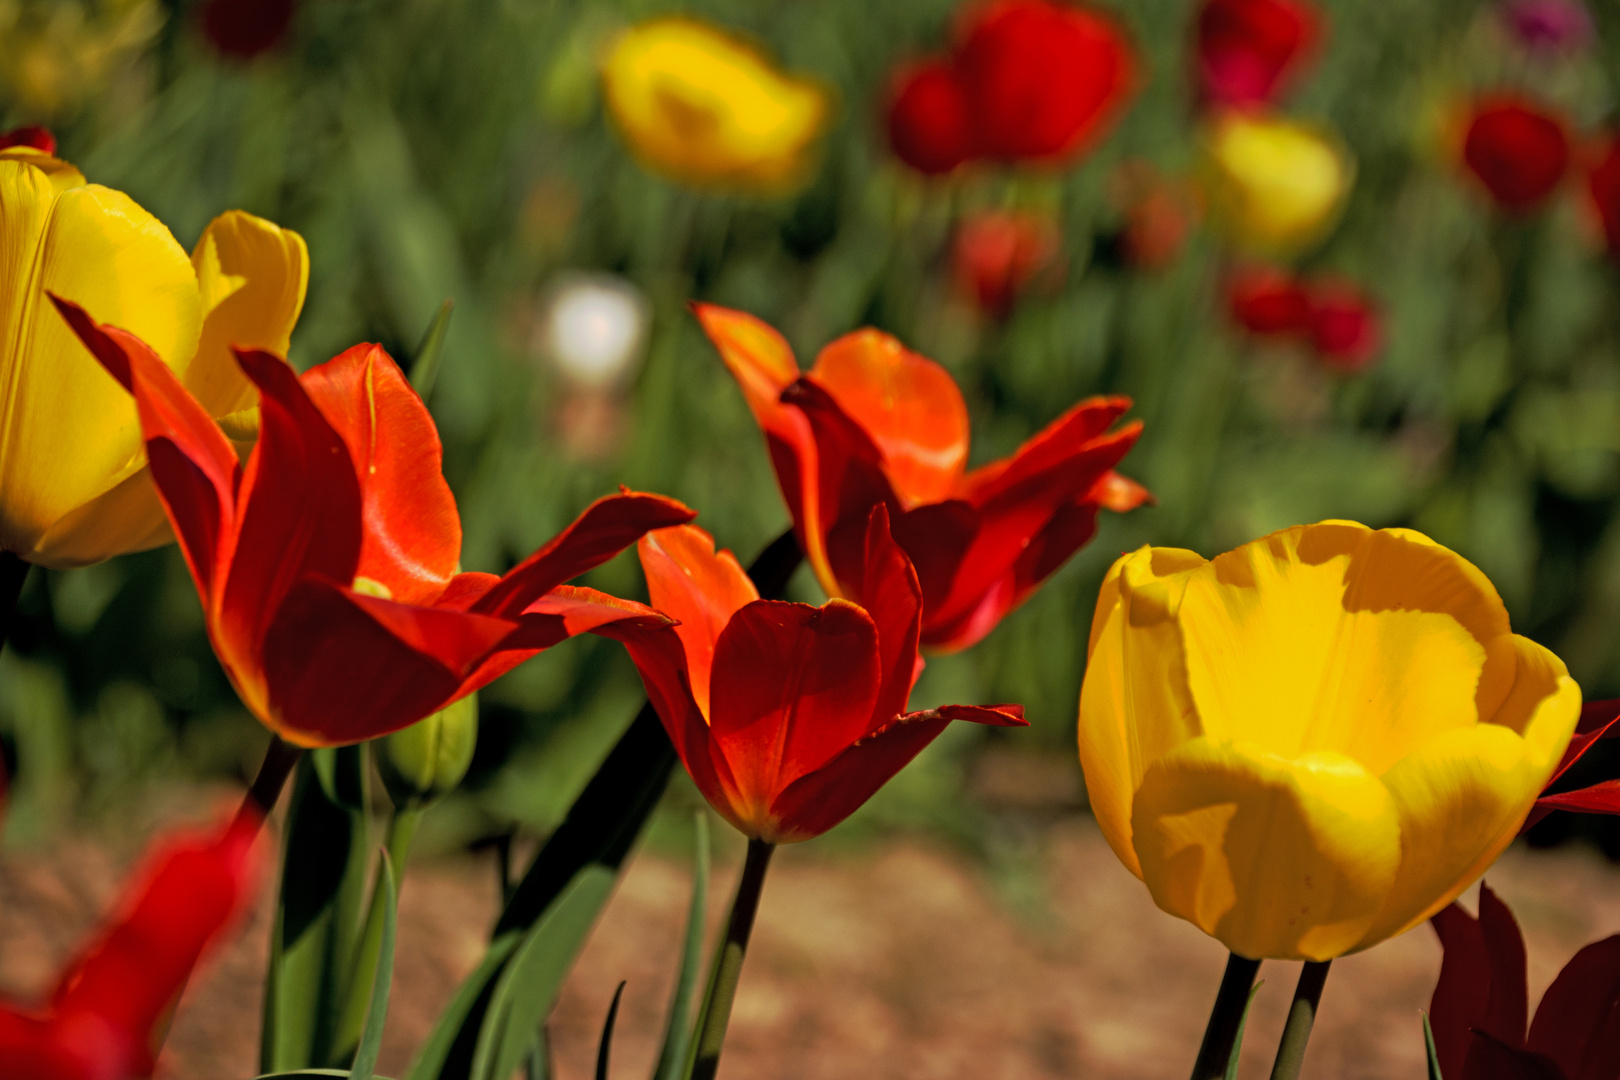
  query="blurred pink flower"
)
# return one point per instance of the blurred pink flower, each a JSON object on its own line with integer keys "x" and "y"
{"x": 1548, "y": 26}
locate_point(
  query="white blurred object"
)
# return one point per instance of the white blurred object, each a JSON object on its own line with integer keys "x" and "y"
{"x": 593, "y": 329}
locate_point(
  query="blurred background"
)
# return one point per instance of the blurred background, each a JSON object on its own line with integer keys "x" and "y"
{"x": 1424, "y": 342}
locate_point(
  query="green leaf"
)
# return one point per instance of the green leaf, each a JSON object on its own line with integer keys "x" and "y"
{"x": 1237, "y": 1043}
{"x": 606, "y": 1045}
{"x": 1428, "y": 1042}
{"x": 678, "y": 1030}
{"x": 309, "y": 1074}
{"x": 365, "y": 1058}
{"x": 425, "y": 364}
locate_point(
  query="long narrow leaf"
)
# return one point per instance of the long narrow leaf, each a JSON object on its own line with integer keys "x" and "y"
{"x": 1428, "y": 1043}
{"x": 425, "y": 364}
{"x": 605, "y": 1047}
{"x": 365, "y": 1058}
{"x": 1237, "y": 1044}
{"x": 678, "y": 1029}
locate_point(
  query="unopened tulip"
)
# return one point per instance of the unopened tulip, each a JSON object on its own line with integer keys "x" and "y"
{"x": 1316, "y": 741}
{"x": 701, "y": 107}
{"x": 1603, "y": 185}
{"x": 996, "y": 255}
{"x": 930, "y": 126}
{"x": 789, "y": 717}
{"x": 328, "y": 564}
{"x": 1248, "y": 50}
{"x": 1268, "y": 302}
{"x": 427, "y": 760}
{"x": 1345, "y": 326}
{"x": 38, "y": 138}
{"x": 1276, "y": 185}
{"x": 74, "y": 486}
{"x": 874, "y": 423}
{"x": 1517, "y": 150}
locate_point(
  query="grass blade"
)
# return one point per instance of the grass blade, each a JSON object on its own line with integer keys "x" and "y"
{"x": 365, "y": 1058}
{"x": 606, "y": 1045}
{"x": 678, "y": 1030}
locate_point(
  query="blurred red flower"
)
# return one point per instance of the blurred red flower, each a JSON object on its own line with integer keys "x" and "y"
{"x": 1518, "y": 150}
{"x": 328, "y": 564}
{"x": 1480, "y": 1009}
{"x": 874, "y": 423}
{"x": 1248, "y": 50}
{"x": 1268, "y": 302}
{"x": 997, "y": 254}
{"x": 104, "y": 1017}
{"x": 1336, "y": 318}
{"x": 1345, "y": 325}
{"x": 1027, "y": 81}
{"x": 1603, "y": 184}
{"x": 1159, "y": 215}
{"x": 788, "y": 716}
{"x": 243, "y": 29}
{"x": 37, "y": 137}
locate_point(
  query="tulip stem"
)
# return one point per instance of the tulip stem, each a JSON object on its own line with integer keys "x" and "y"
{"x": 710, "y": 1036}
{"x": 1231, "y": 1002}
{"x": 352, "y": 1020}
{"x": 1301, "y": 1015}
{"x": 277, "y": 765}
{"x": 13, "y": 573}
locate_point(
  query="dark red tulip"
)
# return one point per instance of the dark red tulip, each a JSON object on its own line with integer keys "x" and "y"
{"x": 37, "y": 137}
{"x": 1518, "y": 150}
{"x": 997, "y": 254}
{"x": 1345, "y": 326}
{"x": 1603, "y": 184}
{"x": 1249, "y": 50}
{"x": 1268, "y": 302}
{"x": 928, "y": 121}
{"x": 1599, "y": 720}
{"x": 244, "y": 29}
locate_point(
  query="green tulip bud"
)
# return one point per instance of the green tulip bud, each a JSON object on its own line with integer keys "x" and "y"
{"x": 427, "y": 760}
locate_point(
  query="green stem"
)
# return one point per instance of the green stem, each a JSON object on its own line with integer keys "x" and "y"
{"x": 1225, "y": 1018}
{"x": 1301, "y": 1015}
{"x": 13, "y": 574}
{"x": 279, "y": 759}
{"x": 401, "y": 834}
{"x": 710, "y": 1036}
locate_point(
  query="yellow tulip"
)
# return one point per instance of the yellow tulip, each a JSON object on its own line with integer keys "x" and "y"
{"x": 73, "y": 481}
{"x": 701, "y": 107}
{"x": 1314, "y": 742}
{"x": 1275, "y": 185}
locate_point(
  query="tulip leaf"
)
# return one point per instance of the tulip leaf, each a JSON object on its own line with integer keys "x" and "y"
{"x": 425, "y": 364}
{"x": 309, "y": 1074}
{"x": 606, "y": 1045}
{"x": 1237, "y": 1043}
{"x": 678, "y": 1031}
{"x": 1428, "y": 1043}
{"x": 365, "y": 1058}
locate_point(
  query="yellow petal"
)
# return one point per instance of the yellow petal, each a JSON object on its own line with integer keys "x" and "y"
{"x": 70, "y": 431}
{"x": 1275, "y": 858}
{"x": 62, "y": 175}
{"x": 127, "y": 517}
{"x": 252, "y": 276}
{"x": 1276, "y": 185}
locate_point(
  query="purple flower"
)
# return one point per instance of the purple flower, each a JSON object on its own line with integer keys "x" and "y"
{"x": 1548, "y": 26}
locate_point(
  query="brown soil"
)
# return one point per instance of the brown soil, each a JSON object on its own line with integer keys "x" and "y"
{"x": 901, "y": 962}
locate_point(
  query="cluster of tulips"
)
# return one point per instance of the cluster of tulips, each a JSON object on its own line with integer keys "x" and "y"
{"x": 1304, "y": 746}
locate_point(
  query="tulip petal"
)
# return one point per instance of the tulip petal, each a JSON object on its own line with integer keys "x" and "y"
{"x": 793, "y": 687}
{"x": 892, "y": 597}
{"x": 1507, "y": 1012}
{"x": 1273, "y": 857}
{"x": 129, "y": 511}
{"x": 411, "y": 538}
{"x": 1577, "y": 1023}
{"x": 70, "y": 432}
{"x": 821, "y": 799}
{"x": 1489, "y": 1056}
{"x": 700, "y": 589}
{"x": 1462, "y": 994}
{"x": 908, "y": 406}
{"x": 252, "y": 276}
{"x": 605, "y": 528}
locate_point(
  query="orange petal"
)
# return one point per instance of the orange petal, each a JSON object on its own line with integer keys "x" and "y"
{"x": 759, "y": 358}
{"x": 701, "y": 588}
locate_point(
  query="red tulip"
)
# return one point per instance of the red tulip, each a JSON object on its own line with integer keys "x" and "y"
{"x": 1248, "y": 50}
{"x": 1269, "y": 302}
{"x": 874, "y": 423}
{"x": 788, "y": 716}
{"x": 1481, "y": 1004}
{"x": 1028, "y": 80}
{"x": 107, "y": 1013}
{"x": 1159, "y": 213}
{"x": 1518, "y": 151}
{"x": 1599, "y": 720}
{"x": 327, "y": 564}
{"x": 997, "y": 254}
{"x": 37, "y": 137}
{"x": 1344, "y": 325}
{"x": 1603, "y": 184}
{"x": 243, "y": 29}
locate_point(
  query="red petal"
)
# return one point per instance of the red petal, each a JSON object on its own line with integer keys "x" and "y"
{"x": 929, "y": 127}
{"x": 891, "y": 596}
{"x": 1599, "y": 720}
{"x": 607, "y": 526}
{"x": 1248, "y": 48}
{"x": 1489, "y": 1058}
{"x": 698, "y": 588}
{"x": 793, "y": 686}
{"x": 1052, "y": 447}
{"x": 412, "y": 536}
{"x": 39, "y": 138}
{"x": 908, "y": 406}
{"x": 1508, "y": 1013}
{"x": 816, "y": 802}
{"x": 1601, "y": 798}
{"x": 1577, "y": 1023}
{"x": 342, "y": 667}
{"x": 193, "y": 465}
{"x": 1518, "y": 150}
{"x": 299, "y": 517}
{"x": 1462, "y": 994}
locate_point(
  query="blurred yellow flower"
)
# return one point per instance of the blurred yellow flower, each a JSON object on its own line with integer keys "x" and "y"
{"x": 1314, "y": 742}
{"x": 701, "y": 107}
{"x": 73, "y": 480}
{"x": 1275, "y": 185}
{"x": 54, "y": 55}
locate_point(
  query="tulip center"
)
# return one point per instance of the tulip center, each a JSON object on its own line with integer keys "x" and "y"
{"x": 370, "y": 587}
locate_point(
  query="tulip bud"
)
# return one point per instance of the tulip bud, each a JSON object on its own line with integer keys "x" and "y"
{"x": 997, "y": 255}
{"x": 928, "y": 121}
{"x": 425, "y": 762}
{"x": 1275, "y": 185}
{"x": 1345, "y": 326}
{"x": 1248, "y": 49}
{"x": 1517, "y": 150}
{"x": 1268, "y": 302}
{"x": 39, "y": 138}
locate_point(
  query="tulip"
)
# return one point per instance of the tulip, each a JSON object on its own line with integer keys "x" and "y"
{"x": 1275, "y": 184}
{"x": 1027, "y": 80}
{"x": 327, "y": 565}
{"x": 788, "y": 716}
{"x": 996, "y": 255}
{"x": 1548, "y": 26}
{"x": 1159, "y": 212}
{"x": 245, "y": 29}
{"x": 1603, "y": 186}
{"x": 74, "y": 486}
{"x": 1248, "y": 50}
{"x": 110, "y": 1007}
{"x": 39, "y": 138}
{"x": 1517, "y": 150}
{"x": 1345, "y": 326}
{"x": 1268, "y": 302}
{"x": 701, "y": 107}
{"x": 1480, "y": 1006}
{"x": 1314, "y": 742}
{"x": 874, "y": 423}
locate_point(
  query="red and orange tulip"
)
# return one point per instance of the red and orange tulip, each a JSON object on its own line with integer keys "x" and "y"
{"x": 788, "y": 716}
{"x": 327, "y": 564}
{"x": 873, "y": 423}
{"x": 103, "y": 1019}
